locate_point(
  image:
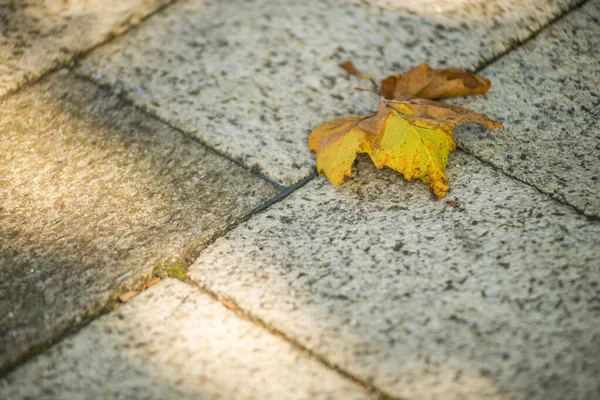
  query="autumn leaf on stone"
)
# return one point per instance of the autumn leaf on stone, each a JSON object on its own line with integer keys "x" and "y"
{"x": 412, "y": 135}
{"x": 428, "y": 83}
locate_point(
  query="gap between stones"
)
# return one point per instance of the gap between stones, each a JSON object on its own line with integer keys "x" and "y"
{"x": 554, "y": 196}
{"x": 82, "y": 53}
{"x": 177, "y": 269}
{"x": 515, "y": 45}
{"x": 144, "y": 110}
{"x": 240, "y": 312}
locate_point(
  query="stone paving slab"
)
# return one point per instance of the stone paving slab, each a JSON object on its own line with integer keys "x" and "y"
{"x": 252, "y": 78}
{"x": 36, "y": 36}
{"x": 547, "y": 95}
{"x": 93, "y": 195}
{"x": 173, "y": 342}
{"x": 493, "y": 293}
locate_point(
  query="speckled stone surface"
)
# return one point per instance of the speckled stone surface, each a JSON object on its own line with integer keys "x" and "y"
{"x": 93, "y": 195}
{"x": 491, "y": 293}
{"x": 253, "y": 78}
{"x": 36, "y": 36}
{"x": 547, "y": 95}
{"x": 173, "y": 342}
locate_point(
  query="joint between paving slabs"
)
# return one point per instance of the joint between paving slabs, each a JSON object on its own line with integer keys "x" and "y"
{"x": 178, "y": 268}
{"x": 175, "y": 267}
{"x": 284, "y": 191}
{"x": 150, "y": 114}
{"x": 515, "y": 44}
{"x": 553, "y": 196}
{"x": 232, "y": 306}
{"x": 71, "y": 62}
{"x": 120, "y": 295}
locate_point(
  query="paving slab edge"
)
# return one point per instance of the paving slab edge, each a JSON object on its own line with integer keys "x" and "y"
{"x": 555, "y": 196}
{"x": 516, "y": 44}
{"x": 248, "y": 316}
{"x": 82, "y": 53}
{"x": 126, "y": 99}
{"x": 177, "y": 268}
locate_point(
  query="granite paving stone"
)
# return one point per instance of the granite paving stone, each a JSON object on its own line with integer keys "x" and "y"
{"x": 36, "y": 36}
{"x": 173, "y": 342}
{"x": 93, "y": 195}
{"x": 252, "y": 78}
{"x": 491, "y": 293}
{"x": 547, "y": 95}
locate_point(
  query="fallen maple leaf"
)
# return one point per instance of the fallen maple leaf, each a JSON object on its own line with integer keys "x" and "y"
{"x": 427, "y": 83}
{"x": 337, "y": 143}
{"x": 408, "y": 134}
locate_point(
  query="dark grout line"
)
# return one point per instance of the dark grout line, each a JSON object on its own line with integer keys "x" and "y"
{"x": 285, "y": 193}
{"x": 150, "y": 114}
{"x": 486, "y": 63}
{"x": 248, "y": 316}
{"x": 256, "y": 210}
{"x": 83, "y": 53}
{"x": 552, "y": 196}
{"x": 139, "y": 285}
{"x": 79, "y": 322}
{"x": 516, "y": 44}
{"x": 259, "y": 174}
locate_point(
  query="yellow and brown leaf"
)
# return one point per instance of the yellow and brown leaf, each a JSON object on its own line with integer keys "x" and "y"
{"x": 428, "y": 83}
{"x": 408, "y": 134}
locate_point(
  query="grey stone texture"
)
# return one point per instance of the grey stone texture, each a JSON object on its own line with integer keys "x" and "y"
{"x": 547, "y": 95}
{"x": 491, "y": 293}
{"x": 93, "y": 195}
{"x": 173, "y": 342}
{"x": 36, "y": 36}
{"x": 254, "y": 82}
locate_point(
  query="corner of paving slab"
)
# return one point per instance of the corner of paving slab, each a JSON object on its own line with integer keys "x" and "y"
{"x": 99, "y": 188}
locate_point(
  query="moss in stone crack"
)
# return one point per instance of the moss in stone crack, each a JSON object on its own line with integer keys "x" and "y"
{"x": 175, "y": 269}
{"x": 178, "y": 270}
